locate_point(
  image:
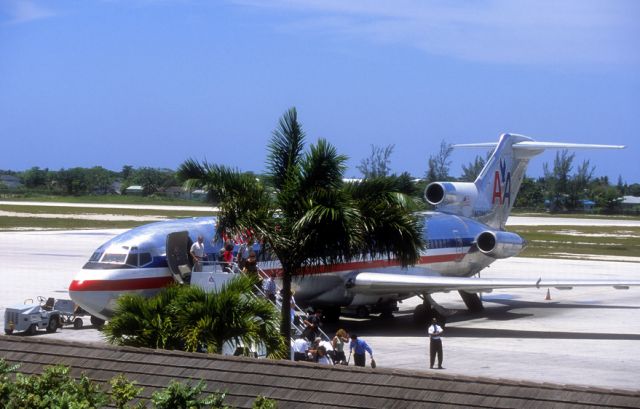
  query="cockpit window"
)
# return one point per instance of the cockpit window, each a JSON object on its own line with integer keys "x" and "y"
{"x": 95, "y": 256}
{"x": 138, "y": 259}
{"x": 132, "y": 259}
{"x": 145, "y": 258}
{"x": 118, "y": 260}
{"x": 114, "y": 258}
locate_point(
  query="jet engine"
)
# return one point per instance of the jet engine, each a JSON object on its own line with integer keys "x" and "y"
{"x": 500, "y": 244}
{"x": 453, "y": 197}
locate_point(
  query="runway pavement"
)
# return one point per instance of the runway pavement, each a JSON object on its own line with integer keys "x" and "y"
{"x": 584, "y": 336}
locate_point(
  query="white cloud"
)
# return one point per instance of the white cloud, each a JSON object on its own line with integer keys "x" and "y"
{"x": 22, "y": 11}
{"x": 527, "y": 31}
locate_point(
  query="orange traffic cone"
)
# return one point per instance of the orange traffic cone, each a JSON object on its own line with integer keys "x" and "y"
{"x": 548, "y": 297}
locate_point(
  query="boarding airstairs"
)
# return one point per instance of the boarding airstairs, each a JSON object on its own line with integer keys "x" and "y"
{"x": 297, "y": 325}
{"x": 214, "y": 274}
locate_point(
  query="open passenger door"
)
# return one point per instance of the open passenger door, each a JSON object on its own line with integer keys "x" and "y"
{"x": 178, "y": 258}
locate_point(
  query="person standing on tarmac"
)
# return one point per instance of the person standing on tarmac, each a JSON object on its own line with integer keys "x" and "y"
{"x": 435, "y": 345}
{"x": 358, "y": 347}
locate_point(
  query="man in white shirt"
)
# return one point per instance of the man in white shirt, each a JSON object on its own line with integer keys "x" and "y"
{"x": 435, "y": 347}
{"x": 197, "y": 252}
{"x": 300, "y": 348}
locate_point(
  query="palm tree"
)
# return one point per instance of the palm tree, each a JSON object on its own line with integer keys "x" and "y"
{"x": 210, "y": 319}
{"x": 190, "y": 319}
{"x": 144, "y": 322}
{"x": 304, "y": 213}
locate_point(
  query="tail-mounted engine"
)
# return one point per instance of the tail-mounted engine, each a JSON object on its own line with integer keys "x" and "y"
{"x": 500, "y": 244}
{"x": 452, "y": 197}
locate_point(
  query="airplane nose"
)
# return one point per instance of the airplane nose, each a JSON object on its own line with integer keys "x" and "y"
{"x": 95, "y": 303}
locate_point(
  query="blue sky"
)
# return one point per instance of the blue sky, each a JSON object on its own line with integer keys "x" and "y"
{"x": 152, "y": 83}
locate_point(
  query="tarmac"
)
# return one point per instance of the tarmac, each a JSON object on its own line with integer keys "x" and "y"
{"x": 587, "y": 336}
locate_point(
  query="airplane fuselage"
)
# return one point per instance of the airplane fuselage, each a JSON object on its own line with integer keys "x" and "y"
{"x": 135, "y": 262}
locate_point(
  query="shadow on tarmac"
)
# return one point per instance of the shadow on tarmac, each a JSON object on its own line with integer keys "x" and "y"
{"x": 401, "y": 325}
{"x": 557, "y": 304}
{"x": 506, "y": 333}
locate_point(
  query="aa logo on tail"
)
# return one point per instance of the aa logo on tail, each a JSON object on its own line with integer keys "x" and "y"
{"x": 502, "y": 185}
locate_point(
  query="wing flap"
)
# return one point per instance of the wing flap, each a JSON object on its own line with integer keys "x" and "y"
{"x": 381, "y": 283}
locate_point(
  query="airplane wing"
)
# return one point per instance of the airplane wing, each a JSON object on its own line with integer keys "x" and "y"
{"x": 380, "y": 283}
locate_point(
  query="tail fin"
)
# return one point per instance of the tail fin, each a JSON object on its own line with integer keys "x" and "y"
{"x": 499, "y": 181}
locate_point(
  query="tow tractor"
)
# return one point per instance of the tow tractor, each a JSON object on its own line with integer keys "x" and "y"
{"x": 47, "y": 313}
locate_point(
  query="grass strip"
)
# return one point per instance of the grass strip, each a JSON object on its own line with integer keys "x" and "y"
{"x": 95, "y": 210}
{"x": 36, "y": 223}
{"x": 544, "y": 241}
{"x": 107, "y": 199}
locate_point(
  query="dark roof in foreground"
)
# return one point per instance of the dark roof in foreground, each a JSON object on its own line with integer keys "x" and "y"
{"x": 302, "y": 385}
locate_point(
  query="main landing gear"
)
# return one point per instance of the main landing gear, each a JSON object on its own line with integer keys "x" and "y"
{"x": 427, "y": 311}
{"x": 472, "y": 301}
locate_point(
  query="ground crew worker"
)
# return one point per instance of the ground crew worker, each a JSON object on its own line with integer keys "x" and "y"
{"x": 435, "y": 345}
{"x": 358, "y": 347}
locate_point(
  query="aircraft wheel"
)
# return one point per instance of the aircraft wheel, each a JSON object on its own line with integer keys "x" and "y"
{"x": 362, "y": 312}
{"x": 78, "y": 323}
{"x": 52, "y": 326}
{"x": 422, "y": 314}
{"x": 97, "y": 322}
{"x": 8, "y": 331}
{"x": 32, "y": 329}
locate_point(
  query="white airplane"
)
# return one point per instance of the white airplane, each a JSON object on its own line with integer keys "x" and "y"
{"x": 465, "y": 234}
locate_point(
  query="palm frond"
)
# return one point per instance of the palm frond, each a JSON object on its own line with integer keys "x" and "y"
{"x": 285, "y": 149}
{"x": 144, "y": 322}
{"x": 322, "y": 168}
{"x": 192, "y": 173}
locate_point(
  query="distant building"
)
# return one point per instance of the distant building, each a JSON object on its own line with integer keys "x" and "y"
{"x": 175, "y": 192}
{"x": 587, "y": 205}
{"x": 135, "y": 190}
{"x": 631, "y": 203}
{"x": 179, "y": 192}
{"x": 198, "y": 194}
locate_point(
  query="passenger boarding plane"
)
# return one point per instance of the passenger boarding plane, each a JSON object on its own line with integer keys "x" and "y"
{"x": 464, "y": 234}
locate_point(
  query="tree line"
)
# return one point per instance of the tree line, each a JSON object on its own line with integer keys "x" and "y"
{"x": 92, "y": 181}
{"x": 564, "y": 187}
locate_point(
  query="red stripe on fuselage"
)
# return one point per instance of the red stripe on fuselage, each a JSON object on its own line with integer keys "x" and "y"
{"x": 159, "y": 282}
{"x": 363, "y": 265}
{"x": 120, "y": 285}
